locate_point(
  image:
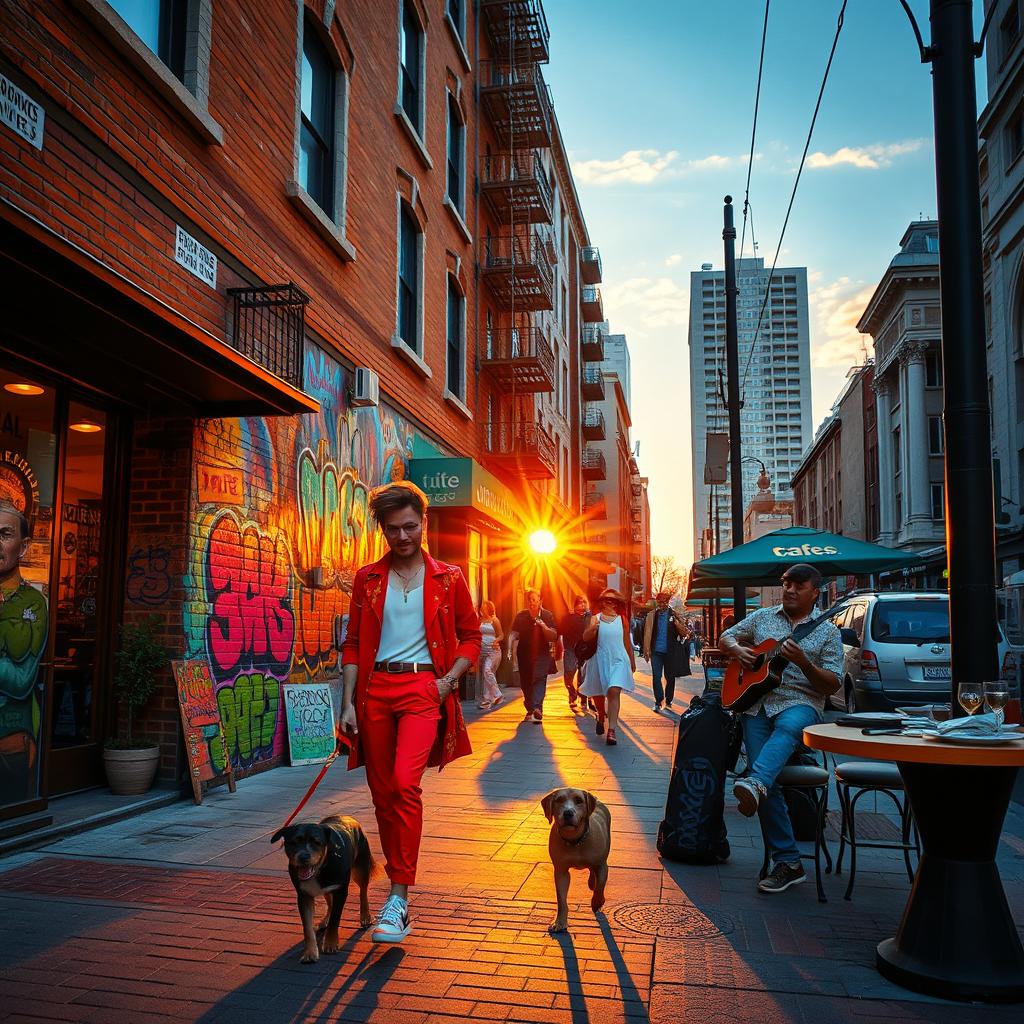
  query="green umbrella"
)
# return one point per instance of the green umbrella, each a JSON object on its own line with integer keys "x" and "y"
{"x": 762, "y": 562}
{"x": 723, "y": 602}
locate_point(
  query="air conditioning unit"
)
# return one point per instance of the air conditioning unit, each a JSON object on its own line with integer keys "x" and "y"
{"x": 367, "y": 388}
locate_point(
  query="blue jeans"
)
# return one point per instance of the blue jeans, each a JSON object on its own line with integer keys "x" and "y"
{"x": 770, "y": 743}
{"x": 535, "y": 685}
{"x": 659, "y": 666}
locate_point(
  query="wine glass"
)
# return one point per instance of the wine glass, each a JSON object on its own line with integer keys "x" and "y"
{"x": 996, "y": 695}
{"x": 969, "y": 695}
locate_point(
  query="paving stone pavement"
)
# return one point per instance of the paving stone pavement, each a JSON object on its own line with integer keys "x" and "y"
{"x": 186, "y": 913}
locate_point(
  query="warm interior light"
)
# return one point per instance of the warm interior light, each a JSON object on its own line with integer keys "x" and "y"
{"x": 22, "y": 388}
{"x": 543, "y": 542}
{"x": 85, "y": 427}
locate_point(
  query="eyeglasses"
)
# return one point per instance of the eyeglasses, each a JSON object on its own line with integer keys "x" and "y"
{"x": 409, "y": 529}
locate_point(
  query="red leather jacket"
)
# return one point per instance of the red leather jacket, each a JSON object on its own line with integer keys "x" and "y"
{"x": 453, "y": 631}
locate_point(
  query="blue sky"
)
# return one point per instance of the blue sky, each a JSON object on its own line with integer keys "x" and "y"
{"x": 655, "y": 101}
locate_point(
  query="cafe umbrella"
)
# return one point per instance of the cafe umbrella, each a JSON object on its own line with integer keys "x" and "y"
{"x": 762, "y": 562}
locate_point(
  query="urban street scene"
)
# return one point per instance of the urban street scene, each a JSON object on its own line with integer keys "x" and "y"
{"x": 511, "y": 511}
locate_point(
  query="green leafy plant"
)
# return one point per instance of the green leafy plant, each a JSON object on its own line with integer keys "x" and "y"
{"x": 138, "y": 660}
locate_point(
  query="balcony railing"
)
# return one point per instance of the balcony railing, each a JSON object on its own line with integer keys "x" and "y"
{"x": 521, "y": 450}
{"x": 594, "y": 505}
{"x": 592, "y": 387}
{"x": 592, "y": 346}
{"x": 519, "y": 360}
{"x": 517, "y": 188}
{"x": 518, "y": 30}
{"x": 518, "y": 272}
{"x": 593, "y": 425}
{"x": 518, "y": 102}
{"x": 592, "y": 305}
{"x": 594, "y": 465}
{"x": 590, "y": 264}
{"x": 637, "y": 534}
{"x": 637, "y": 491}
{"x": 269, "y": 326}
{"x": 636, "y": 515}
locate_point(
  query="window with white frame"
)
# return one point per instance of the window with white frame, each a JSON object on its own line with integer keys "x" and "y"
{"x": 412, "y": 46}
{"x": 317, "y": 124}
{"x": 456, "y": 184}
{"x": 455, "y": 377}
{"x": 410, "y": 278}
{"x": 456, "y": 13}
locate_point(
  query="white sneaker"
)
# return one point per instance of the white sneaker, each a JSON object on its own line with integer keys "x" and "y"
{"x": 748, "y": 795}
{"x": 392, "y": 921}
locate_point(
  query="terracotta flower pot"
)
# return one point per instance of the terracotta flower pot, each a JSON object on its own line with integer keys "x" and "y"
{"x": 131, "y": 771}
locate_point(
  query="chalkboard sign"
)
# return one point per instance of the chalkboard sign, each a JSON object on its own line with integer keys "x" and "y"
{"x": 310, "y": 715}
{"x": 200, "y": 718}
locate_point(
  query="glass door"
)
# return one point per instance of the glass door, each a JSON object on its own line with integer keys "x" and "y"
{"x": 28, "y": 462}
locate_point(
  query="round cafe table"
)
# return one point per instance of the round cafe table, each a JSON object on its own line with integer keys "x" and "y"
{"x": 957, "y": 938}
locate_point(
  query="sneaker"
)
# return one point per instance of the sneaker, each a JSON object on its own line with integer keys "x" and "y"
{"x": 392, "y": 921}
{"x": 748, "y": 795}
{"x": 782, "y": 877}
{"x": 668, "y": 705}
{"x": 537, "y": 715}
{"x": 657, "y": 705}
{"x": 528, "y": 717}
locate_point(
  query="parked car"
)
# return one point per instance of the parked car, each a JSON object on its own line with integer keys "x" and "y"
{"x": 895, "y": 650}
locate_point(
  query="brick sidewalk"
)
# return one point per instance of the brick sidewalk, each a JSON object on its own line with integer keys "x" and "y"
{"x": 186, "y": 913}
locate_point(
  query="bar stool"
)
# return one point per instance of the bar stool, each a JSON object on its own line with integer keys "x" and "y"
{"x": 815, "y": 781}
{"x": 871, "y": 777}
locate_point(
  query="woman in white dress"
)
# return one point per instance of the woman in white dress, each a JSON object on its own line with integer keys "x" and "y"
{"x": 490, "y": 655}
{"x": 610, "y": 670}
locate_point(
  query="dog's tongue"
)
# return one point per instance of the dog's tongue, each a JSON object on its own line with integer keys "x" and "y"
{"x": 306, "y": 873}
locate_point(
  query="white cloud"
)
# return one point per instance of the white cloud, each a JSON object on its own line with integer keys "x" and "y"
{"x": 714, "y": 162}
{"x": 637, "y": 166}
{"x": 641, "y": 304}
{"x": 674, "y": 260}
{"x": 835, "y": 310}
{"x": 865, "y": 157}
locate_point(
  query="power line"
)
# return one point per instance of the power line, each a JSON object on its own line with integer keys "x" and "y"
{"x": 796, "y": 184}
{"x": 753, "y": 130}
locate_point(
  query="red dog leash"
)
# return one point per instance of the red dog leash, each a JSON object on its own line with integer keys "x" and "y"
{"x": 316, "y": 782}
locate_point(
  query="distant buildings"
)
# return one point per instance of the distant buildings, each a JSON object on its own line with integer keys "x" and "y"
{"x": 775, "y": 376}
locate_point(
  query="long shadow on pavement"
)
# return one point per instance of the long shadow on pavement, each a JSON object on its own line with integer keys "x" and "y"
{"x": 627, "y": 989}
{"x": 573, "y": 978}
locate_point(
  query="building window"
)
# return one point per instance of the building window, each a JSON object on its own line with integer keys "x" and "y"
{"x": 936, "y": 436}
{"x": 1009, "y": 30}
{"x": 411, "y": 70}
{"x": 1014, "y": 136}
{"x": 456, "y": 11}
{"x": 938, "y": 501}
{"x": 456, "y": 339}
{"x": 456, "y": 155}
{"x": 316, "y": 133}
{"x": 410, "y": 267}
{"x": 162, "y": 26}
{"x": 933, "y": 369}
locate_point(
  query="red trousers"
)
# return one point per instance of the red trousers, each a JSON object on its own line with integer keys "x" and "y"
{"x": 396, "y": 731}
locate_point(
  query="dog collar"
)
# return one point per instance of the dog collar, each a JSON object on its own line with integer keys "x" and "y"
{"x": 579, "y": 839}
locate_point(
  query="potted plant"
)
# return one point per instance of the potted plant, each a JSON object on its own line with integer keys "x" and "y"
{"x": 131, "y": 763}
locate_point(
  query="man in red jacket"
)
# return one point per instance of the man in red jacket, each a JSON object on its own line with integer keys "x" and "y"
{"x": 412, "y": 632}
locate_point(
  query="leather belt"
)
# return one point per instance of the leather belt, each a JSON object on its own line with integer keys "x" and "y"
{"x": 395, "y": 667}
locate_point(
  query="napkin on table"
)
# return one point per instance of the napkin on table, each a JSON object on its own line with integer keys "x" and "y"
{"x": 980, "y": 724}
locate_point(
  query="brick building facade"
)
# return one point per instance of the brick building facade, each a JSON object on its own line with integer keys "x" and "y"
{"x": 209, "y": 220}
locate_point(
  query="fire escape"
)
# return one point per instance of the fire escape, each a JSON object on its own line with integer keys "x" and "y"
{"x": 518, "y": 262}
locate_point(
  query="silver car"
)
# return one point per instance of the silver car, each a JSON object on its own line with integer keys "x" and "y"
{"x": 895, "y": 650}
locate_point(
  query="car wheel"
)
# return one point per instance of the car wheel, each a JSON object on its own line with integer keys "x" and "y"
{"x": 851, "y": 698}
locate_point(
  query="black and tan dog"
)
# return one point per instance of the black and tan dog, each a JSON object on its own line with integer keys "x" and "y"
{"x": 322, "y": 857}
{"x": 581, "y": 838}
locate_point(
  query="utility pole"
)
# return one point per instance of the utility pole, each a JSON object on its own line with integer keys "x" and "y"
{"x": 732, "y": 366}
{"x": 970, "y": 515}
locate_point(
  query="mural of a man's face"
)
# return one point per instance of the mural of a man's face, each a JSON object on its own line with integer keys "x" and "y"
{"x": 12, "y": 545}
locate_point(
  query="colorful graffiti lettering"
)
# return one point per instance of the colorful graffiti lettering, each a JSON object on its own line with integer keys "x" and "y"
{"x": 249, "y": 588}
{"x": 250, "y": 715}
{"x": 149, "y": 577}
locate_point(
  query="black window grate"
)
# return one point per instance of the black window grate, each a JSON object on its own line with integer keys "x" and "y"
{"x": 268, "y": 326}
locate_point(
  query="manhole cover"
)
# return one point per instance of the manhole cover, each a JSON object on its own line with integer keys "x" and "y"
{"x": 672, "y": 920}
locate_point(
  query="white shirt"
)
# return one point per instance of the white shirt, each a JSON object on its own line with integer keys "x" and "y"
{"x": 403, "y": 636}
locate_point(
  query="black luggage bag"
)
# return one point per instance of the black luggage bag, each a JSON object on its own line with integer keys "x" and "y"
{"x": 693, "y": 829}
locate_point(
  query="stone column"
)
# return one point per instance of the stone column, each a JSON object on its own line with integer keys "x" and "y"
{"x": 916, "y": 435}
{"x": 886, "y": 471}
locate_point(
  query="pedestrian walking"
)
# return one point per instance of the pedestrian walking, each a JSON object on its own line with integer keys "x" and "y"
{"x": 529, "y": 646}
{"x": 490, "y": 655}
{"x": 773, "y": 727}
{"x": 662, "y": 628}
{"x": 610, "y": 670}
{"x": 571, "y": 631}
{"x": 412, "y": 632}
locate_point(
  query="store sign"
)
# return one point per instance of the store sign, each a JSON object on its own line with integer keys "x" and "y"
{"x": 18, "y": 483}
{"x": 462, "y": 483}
{"x": 220, "y": 485}
{"x": 22, "y": 114}
{"x": 195, "y": 257}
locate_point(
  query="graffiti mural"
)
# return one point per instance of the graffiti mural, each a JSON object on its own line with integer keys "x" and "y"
{"x": 279, "y": 525}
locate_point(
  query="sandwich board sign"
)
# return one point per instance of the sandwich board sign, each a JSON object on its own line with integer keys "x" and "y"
{"x": 205, "y": 745}
{"x": 309, "y": 711}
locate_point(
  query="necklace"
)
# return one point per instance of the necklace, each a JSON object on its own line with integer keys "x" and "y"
{"x": 407, "y": 582}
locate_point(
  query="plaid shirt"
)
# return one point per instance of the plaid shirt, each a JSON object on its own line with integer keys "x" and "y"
{"x": 824, "y": 647}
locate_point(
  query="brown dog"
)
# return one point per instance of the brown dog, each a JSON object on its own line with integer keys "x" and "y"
{"x": 581, "y": 837}
{"x": 322, "y": 857}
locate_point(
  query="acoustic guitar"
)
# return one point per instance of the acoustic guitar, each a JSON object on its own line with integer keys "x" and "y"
{"x": 743, "y": 687}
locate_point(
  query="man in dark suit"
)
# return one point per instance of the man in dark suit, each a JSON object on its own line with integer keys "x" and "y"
{"x": 529, "y": 645}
